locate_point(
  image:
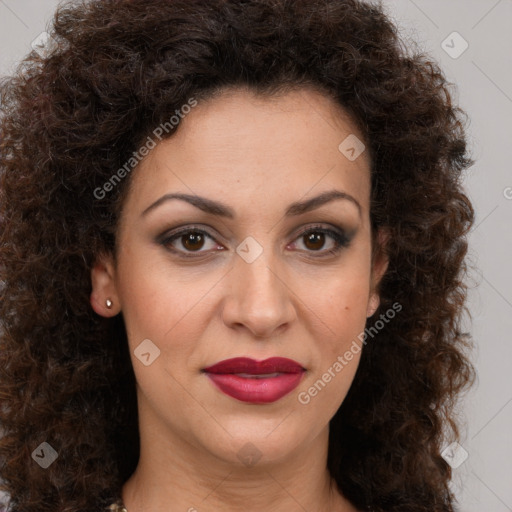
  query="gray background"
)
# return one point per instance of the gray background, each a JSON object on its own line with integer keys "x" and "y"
{"x": 483, "y": 76}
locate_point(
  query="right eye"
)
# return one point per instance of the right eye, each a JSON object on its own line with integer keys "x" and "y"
{"x": 192, "y": 240}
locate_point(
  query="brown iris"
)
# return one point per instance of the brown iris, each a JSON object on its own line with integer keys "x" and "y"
{"x": 193, "y": 241}
{"x": 317, "y": 239}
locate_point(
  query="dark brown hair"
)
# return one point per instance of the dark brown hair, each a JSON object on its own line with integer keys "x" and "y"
{"x": 72, "y": 118}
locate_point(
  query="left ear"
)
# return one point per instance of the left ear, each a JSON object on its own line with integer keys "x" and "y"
{"x": 380, "y": 262}
{"x": 104, "y": 287}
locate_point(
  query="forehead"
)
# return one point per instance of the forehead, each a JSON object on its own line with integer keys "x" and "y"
{"x": 242, "y": 147}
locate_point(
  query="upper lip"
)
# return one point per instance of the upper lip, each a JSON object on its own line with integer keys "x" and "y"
{"x": 251, "y": 366}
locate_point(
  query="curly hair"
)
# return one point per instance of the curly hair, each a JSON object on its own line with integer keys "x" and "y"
{"x": 70, "y": 118}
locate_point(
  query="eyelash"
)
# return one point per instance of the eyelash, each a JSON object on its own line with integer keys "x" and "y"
{"x": 340, "y": 239}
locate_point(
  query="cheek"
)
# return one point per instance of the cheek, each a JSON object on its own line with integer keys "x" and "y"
{"x": 172, "y": 312}
{"x": 341, "y": 303}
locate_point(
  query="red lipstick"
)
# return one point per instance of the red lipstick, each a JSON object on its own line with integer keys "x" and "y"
{"x": 258, "y": 382}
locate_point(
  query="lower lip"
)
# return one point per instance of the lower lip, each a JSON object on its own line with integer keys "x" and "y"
{"x": 256, "y": 391}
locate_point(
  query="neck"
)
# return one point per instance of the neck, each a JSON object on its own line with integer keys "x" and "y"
{"x": 174, "y": 476}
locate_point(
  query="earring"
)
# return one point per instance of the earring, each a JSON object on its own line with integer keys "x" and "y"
{"x": 108, "y": 303}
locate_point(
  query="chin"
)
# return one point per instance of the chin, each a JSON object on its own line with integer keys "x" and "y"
{"x": 250, "y": 443}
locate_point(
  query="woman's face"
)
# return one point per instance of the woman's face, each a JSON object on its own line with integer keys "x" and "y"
{"x": 241, "y": 280}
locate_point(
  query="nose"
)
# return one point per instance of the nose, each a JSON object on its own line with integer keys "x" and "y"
{"x": 259, "y": 299}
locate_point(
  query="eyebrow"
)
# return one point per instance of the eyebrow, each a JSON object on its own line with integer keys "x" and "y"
{"x": 222, "y": 210}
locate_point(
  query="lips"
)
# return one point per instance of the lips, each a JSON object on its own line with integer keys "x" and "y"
{"x": 258, "y": 382}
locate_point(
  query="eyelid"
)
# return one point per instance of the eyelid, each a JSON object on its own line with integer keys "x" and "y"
{"x": 341, "y": 237}
{"x": 174, "y": 234}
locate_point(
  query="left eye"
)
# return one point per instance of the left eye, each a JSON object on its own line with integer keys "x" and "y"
{"x": 314, "y": 238}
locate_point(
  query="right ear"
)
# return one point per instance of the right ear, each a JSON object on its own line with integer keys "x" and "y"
{"x": 380, "y": 262}
{"x": 104, "y": 287}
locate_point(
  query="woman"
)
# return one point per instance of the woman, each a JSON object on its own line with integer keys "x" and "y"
{"x": 233, "y": 249}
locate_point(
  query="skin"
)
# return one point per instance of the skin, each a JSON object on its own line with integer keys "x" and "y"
{"x": 257, "y": 155}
